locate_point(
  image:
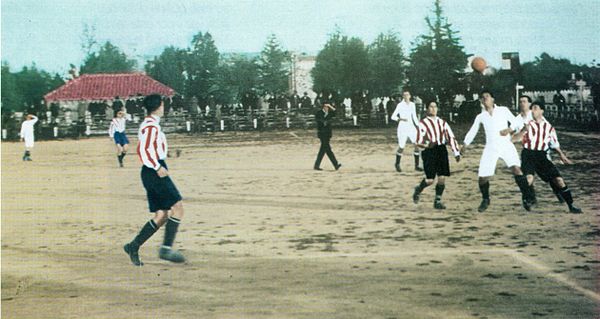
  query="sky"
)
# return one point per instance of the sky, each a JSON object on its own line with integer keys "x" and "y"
{"x": 49, "y": 33}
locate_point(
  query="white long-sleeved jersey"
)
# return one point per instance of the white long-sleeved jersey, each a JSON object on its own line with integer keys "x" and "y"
{"x": 500, "y": 119}
{"x": 406, "y": 113}
{"x": 116, "y": 125}
{"x": 27, "y": 128}
{"x": 152, "y": 142}
{"x": 521, "y": 121}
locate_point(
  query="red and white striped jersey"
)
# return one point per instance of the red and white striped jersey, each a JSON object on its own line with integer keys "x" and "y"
{"x": 436, "y": 131}
{"x": 116, "y": 125}
{"x": 540, "y": 136}
{"x": 152, "y": 142}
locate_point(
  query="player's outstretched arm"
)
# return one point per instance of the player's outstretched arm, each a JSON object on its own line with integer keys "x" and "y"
{"x": 563, "y": 156}
{"x": 472, "y": 132}
{"x": 518, "y": 137}
{"x": 396, "y": 115}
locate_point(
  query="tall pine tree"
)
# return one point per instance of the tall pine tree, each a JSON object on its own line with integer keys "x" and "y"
{"x": 437, "y": 61}
{"x": 108, "y": 59}
{"x": 273, "y": 66}
{"x": 386, "y": 65}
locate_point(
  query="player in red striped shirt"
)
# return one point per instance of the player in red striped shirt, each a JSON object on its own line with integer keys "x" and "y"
{"x": 433, "y": 134}
{"x": 537, "y": 137}
{"x": 164, "y": 200}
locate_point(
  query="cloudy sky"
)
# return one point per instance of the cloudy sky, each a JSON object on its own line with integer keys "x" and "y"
{"x": 49, "y": 33}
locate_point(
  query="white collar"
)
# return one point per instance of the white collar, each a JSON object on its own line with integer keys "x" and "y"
{"x": 156, "y": 118}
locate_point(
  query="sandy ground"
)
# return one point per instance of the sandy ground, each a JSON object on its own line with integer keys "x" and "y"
{"x": 268, "y": 237}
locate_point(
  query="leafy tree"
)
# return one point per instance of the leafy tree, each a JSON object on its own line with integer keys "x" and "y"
{"x": 328, "y": 65}
{"x": 240, "y": 75}
{"x": 109, "y": 59}
{"x": 201, "y": 67}
{"x": 27, "y": 87}
{"x": 11, "y": 97}
{"x": 168, "y": 68}
{"x": 386, "y": 64}
{"x": 341, "y": 66}
{"x": 355, "y": 74}
{"x": 547, "y": 73}
{"x": 502, "y": 83}
{"x": 437, "y": 61}
{"x": 273, "y": 66}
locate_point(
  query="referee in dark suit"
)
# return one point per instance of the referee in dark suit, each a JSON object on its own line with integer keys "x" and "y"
{"x": 323, "y": 118}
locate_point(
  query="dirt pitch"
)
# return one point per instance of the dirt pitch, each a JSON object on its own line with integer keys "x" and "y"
{"x": 268, "y": 237}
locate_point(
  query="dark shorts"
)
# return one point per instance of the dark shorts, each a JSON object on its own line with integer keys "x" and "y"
{"x": 120, "y": 138}
{"x": 537, "y": 162}
{"x": 161, "y": 192}
{"x": 435, "y": 161}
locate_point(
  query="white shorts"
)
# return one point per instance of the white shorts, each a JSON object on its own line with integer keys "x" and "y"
{"x": 28, "y": 142}
{"x": 406, "y": 130}
{"x": 491, "y": 153}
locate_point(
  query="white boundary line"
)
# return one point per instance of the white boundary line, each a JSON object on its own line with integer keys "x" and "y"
{"x": 546, "y": 271}
{"x": 532, "y": 263}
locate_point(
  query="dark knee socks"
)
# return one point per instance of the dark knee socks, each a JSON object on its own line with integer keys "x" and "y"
{"x": 120, "y": 157}
{"x": 485, "y": 190}
{"x": 421, "y": 186}
{"x": 557, "y": 192}
{"x": 146, "y": 232}
{"x": 565, "y": 192}
{"x": 170, "y": 231}
{"x": 416, "y": 155}
{"x": 521, "y": 181}
{"x": 439, "y": 190}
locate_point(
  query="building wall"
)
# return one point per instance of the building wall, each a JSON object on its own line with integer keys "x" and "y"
{"x": 300, "y": 78}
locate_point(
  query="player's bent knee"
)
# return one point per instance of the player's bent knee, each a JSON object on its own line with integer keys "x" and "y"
{"x": 560, "y": 182}
{"x": 429, "y": 182}
{"x": 177, "y": 209}
{"x": 161, "y": 217}
{"x": 530, "y": 179}
{"x": 517, "y": 170}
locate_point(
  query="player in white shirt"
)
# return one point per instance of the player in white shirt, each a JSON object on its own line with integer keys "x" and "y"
{"x": 498, "y": 123}
{"x": 116, "y": 132}
{"x": 27, "y": 135}
{"x": 408, "y": 121}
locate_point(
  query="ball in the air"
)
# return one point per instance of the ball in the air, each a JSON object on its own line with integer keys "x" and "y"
{"x": 478, "y": 64}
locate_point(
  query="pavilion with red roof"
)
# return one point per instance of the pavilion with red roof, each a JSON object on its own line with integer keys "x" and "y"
{"x": 99, "y": 87}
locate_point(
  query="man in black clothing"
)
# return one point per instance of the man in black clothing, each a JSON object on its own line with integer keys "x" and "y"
{"x": 559, "y": 100}
{"x": 323, "y": 118}
{"x": 294, "y": 100}
{"x": 117, "y": 105}
{"x": 305, "y": 101}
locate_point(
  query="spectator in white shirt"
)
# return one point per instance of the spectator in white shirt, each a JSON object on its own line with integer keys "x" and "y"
{"x": 27, "y": 135}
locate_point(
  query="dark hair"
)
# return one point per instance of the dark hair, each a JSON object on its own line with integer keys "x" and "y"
{"x": 526, "y": 96}
{"x": 152, "y": 102}
{"x": 540, "y": 104}
{"x": 486, "y": 91}
{"x": 432, "y": 101}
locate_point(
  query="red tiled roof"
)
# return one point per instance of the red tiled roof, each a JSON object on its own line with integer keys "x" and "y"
{"x": 107, "y": 86}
